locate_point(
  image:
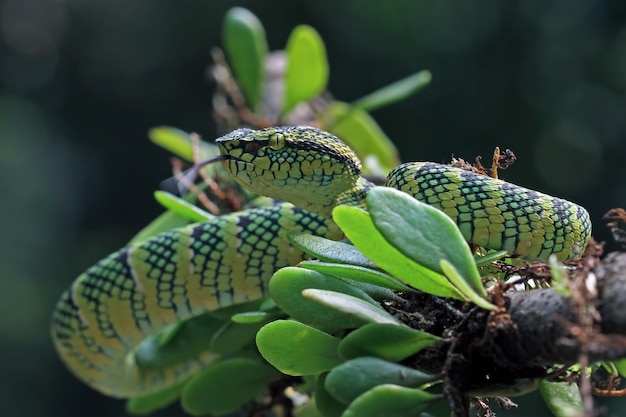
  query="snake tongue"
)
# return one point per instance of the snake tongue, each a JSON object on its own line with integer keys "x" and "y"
{"x": 190, "y": 175}
{"x": 210, "y": 160}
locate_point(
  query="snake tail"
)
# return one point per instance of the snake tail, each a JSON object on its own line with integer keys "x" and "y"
{"x": 139, "y": 290}
{"x": 495, "y": 214}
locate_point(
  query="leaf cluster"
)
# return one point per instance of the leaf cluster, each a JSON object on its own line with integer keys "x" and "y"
{"x": 328, "y": 330}
{"x": 304, "y": 87}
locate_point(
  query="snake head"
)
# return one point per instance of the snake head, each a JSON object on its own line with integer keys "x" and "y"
{"x": 303, "y": 165}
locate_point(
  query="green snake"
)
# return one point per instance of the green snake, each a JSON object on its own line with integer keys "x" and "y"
{"x": 139, "y": 290}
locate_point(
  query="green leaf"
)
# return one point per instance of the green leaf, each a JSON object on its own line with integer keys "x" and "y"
{"x": 169, "y": 333}
{"x": 359, "y": 228}
{"x": 390, "y": 400}
{"x": 560, "y": 278}
{"x": 351, "y": 379}
{"x": 173, "y": 140}
{"x": 307, "y": 67}
{"x": 356, "y": 273}
{"x": 361, "y": 132}
{"x": 226, "y": 313}
{"x": 286, "y": 288}
{"x": 329, "y": 250}
{"x": 225, "y": 386}
{"x": 246, "y": 48}
{"x": 232, "y": 336}
{"x": 189, "y": 339}
{"x": 489, "y": 258}
{"x": 186, "y": 340}
{"x": 181, "y": 207}
{"x": 180, "y": 143}
{"x": 268, "y": 304}
{"x": 422, "y": 233}
{"x": 351, "y": 306}
{"x": 389, "y": 342}
{"x": 394, "y": 92}
{"x": 297, "y": 349}
{"x": 380, "y": 294}
{"x": 310, "y": 409}
{"x": 148, "y": 404}
{"x": 562, "y": 399}
{"x": 328, "y": 405}
{"x": 250, "y": 317}
{"x": 463, "y": 286}
{"x": 621, "y": 366}
{"x": 609, "y": 367}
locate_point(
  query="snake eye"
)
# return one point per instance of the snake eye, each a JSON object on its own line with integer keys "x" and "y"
{"x": 277, "y": 141}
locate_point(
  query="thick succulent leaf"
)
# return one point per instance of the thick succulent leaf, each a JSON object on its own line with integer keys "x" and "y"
{"x": 268, "y": 305}
{"x": 351, "y": 379}
{"x": 185, "y": 341}
{"x": 250, "y": 317}
{"x": 297, "y": 349}
{"x": 226, "y": 313}
{"x": 286, "y": 288}
{"x": 246, "y": 48}
{"x": 390, "y": 400}
{"x": 329, "y": 250}
{"x": 560, "y": 278}
{"x": 307, "y": 67}
{"x": 380, "y": 294}
{"x": 182, "y": 207}
{"x": 173, "y": 140}
{"x": 328, "y": 405}
{"x": 489, "y": 258}
{"x": 463, "y": 286}
{"x": 180, "y": 143}
{"x": 232, "y": 337}
{"x": 359, "y": 228}
{"x": 389, "y": 342}
{"x": 147, "y": 404}
{"x": 351, "y": 306}
{"x": 422, "y": 233}
{"x": 361, "y": 132}
{"x": 308, "y": 409}
{"x": 225, "y": 386}
{"x": 562, "y": 399}
{"x": 394, "y": 92}
{"x": 356, "y": 273}
{"x": 621, "y": 366}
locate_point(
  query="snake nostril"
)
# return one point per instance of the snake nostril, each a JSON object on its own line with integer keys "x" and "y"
{"x": 252, "y": 147}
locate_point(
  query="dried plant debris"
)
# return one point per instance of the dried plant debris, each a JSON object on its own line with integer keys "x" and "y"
{"x": 537, "y": 328}
{"x": 499, "y": 160}
{"x": 617, "y": 225}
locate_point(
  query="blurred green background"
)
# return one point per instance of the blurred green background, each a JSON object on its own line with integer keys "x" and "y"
{"x": 83, "y": 80}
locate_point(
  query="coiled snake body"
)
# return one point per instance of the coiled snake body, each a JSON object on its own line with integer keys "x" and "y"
{"x": 139, "y": 290}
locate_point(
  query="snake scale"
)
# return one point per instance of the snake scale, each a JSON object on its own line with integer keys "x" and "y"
{"x": 139, "y": 290}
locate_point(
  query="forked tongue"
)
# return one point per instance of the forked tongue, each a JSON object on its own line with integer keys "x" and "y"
{"x": 189, "y": 175}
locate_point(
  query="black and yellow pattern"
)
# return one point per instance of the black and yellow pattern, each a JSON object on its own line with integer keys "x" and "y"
{"x": 138, "y": 291}
{"x": 495, "y": 214}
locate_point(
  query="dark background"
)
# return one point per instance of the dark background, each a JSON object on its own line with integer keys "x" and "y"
{"x": 83, "y": 80}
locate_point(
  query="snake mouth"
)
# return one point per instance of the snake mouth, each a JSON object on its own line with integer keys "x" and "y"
{"x": 192, "y": 173}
